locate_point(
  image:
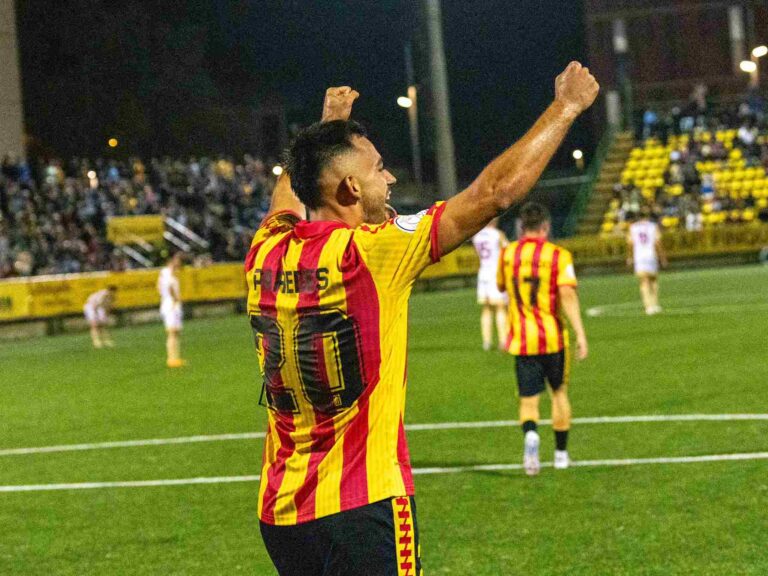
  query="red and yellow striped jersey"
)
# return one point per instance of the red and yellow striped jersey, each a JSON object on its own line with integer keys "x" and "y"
{"x": 329, "y": 309}
{"x": 531, "y": 270}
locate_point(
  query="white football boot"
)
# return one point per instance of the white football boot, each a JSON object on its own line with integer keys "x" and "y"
{"x": 531, "y": 463}
{"x": 562, "y": 460}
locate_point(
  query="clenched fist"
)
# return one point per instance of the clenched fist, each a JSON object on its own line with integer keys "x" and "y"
{"x": 338, "y": 103}
{"x": 576, "y": 88}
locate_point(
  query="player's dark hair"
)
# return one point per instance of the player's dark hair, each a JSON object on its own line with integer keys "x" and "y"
{"x": 313, "y": 149}
{"x": 533, "y": 215}
{"x": 112, "y": 288}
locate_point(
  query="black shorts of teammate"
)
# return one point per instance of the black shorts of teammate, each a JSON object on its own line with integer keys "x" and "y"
{"x": 532, "y": 371}
{"x": 380, "y": 539}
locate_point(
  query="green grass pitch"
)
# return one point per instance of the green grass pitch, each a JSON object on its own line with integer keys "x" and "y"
{"x": 705, "y": 355}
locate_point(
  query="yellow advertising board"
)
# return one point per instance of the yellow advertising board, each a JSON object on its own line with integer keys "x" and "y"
{"x": 62, "y": 295}
{"x": 720, "y": 240}
{"x": 127, "y": 229}
{"x": 14, "y": 299}
{"x": 51, "y": 296}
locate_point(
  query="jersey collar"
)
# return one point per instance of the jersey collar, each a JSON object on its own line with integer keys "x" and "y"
{"x": 305, "y": 229}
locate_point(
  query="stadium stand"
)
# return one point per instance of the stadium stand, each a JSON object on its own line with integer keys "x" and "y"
{"x": 694, "y": 168}
{"x": 54, "y": 219}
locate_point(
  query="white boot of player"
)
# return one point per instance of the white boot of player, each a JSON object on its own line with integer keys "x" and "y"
{"x": 531, "y": 462}
{"x": 562, "y": 460}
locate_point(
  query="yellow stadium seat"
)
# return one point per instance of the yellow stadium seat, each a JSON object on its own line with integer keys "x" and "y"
{"x": 735, "y": 154}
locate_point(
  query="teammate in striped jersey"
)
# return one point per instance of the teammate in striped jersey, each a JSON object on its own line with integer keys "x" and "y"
{"x": 328, "y": 303}
{"x": 541, "y": 282}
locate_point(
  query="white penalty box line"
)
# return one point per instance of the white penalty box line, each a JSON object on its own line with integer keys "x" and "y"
{"x": 419, "y": 471}
{"x": 409, "y": 427}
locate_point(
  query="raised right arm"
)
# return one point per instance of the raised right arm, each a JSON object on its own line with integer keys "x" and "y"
{"x": 509, "y": 177}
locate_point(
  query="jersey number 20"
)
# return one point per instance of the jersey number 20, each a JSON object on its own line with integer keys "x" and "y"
{"x": 327, "y": 353}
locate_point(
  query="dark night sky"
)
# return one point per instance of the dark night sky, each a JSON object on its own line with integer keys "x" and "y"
{"x": 502, "y": 59}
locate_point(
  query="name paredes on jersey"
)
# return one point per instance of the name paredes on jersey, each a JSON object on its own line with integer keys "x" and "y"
{"x": 291, "y": 281}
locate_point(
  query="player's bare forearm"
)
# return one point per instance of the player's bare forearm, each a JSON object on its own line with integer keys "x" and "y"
{"x": 510, "y": 177}
{"x": 283, "y": 197}
{"x": 662, "y": 254}
{"x": 337, "y": 105}
{"x": 506, "y": 180}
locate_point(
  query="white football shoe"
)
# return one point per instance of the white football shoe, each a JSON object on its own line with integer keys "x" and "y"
{"x": 531, "y": 463}
{"x": 562, "y": 460}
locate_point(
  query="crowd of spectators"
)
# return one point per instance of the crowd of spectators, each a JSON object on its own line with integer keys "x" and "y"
{"x": 696, "y": 165}
{"x": 53, "y": 216}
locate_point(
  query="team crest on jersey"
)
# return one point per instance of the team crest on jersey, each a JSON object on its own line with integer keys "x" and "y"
{"x": 409, "y": 223}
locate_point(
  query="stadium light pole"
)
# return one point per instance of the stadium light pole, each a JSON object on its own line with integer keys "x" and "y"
{"x": 413, "y": 114}
{"x": 757, "y": 53}
{"x": 578, "y": 157}
{"x": 445, "y": 154}
{"x": 751, "y": 68}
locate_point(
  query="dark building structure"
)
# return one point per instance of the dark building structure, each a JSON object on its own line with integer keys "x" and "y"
{"x": 657, "y": 50}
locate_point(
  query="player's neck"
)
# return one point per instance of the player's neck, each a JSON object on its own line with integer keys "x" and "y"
{"x": 352, "y": 216}
{"x": 540, "y": 235}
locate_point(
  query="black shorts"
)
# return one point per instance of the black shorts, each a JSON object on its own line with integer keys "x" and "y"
{"x": 532, "y": 371}
{"x": 380, "y": 539}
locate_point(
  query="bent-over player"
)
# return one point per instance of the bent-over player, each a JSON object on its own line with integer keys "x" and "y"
{"x": 96, "y": 309}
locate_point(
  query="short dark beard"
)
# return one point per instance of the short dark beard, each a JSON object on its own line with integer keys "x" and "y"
{"x": 375, "y": 213}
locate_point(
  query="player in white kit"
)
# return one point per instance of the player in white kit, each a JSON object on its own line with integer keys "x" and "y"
{"x": 489, "y": 243}
{"x": 646, "y": 253}
{"x": 170, "y": 309}
{"x": 96, "y": 310}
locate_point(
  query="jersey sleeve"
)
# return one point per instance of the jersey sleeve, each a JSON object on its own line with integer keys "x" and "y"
{"x": 397, "y": 251}
{"x": 566, "y": 275}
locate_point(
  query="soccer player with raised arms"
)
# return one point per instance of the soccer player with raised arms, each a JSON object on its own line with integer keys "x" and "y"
{"x": 328, "y": 303}
{"x": 540, "y": 279}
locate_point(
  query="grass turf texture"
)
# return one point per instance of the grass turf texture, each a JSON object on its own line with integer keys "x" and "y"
{"x": 704, "y": 355}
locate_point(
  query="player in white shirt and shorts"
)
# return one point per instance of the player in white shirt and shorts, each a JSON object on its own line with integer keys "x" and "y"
{"x": 646, "y": 254}
{"x": 170, "y": 309}
{"x": 96, "y": 310}
{"x": 489, "y": 243}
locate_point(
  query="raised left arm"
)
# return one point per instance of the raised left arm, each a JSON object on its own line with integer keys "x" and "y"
{"x": 336, "y": 106}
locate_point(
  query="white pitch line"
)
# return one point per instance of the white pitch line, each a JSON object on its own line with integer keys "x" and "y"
{"x": 131, "y": 443}
{"x": 419, "y": 471}
{"x": 130, "y": 484}
{"x": 593, "y": 463}
{"x": 409, "y": 427}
